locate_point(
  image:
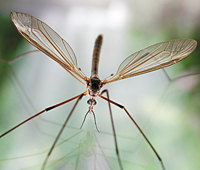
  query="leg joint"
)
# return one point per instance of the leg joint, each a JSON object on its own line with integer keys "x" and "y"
{"x": 119, "y": 105}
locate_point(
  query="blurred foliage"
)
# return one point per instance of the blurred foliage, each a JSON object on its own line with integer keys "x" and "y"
{"x": 190, "y": 65}
{"x": 193, "y": 65}
{"x": 195, "y": 61}
{"x": 9, "y": 41}
{"x": 9, "y": 38}
{"x": 194, "y": 95}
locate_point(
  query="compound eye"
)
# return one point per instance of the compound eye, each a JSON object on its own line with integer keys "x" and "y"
{"x": 91, "y": 102}
{"x": 88, "y": 102}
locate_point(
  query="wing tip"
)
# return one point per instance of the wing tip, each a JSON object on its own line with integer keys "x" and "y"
{"x": 12, "y": 15}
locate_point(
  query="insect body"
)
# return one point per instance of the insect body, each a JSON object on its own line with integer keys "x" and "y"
{"x": 94, "y": 84}
{"x": 149, "y": 59}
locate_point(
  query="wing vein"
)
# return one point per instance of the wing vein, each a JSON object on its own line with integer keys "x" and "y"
{"x": 48, "y": 41}
{"x": 154, "y": 57}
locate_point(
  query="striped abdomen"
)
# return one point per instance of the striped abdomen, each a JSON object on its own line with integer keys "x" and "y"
{"x": 96, "y": 53}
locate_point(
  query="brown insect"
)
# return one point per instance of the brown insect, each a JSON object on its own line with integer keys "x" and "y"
{"x": 149, "y": 59}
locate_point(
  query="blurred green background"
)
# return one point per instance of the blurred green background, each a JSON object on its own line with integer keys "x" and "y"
{"x": 167, "y": 111}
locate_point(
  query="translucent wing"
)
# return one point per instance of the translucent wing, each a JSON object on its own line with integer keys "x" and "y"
{"x": 47, "y": 40}
{"x": 154, "y": 57}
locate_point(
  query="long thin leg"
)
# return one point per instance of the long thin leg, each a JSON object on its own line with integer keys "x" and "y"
{"x": 122, "y": 107}
{"x": 60, "y": 132}
{"x": 18, "y": 57}
{"x": 45, "y": 110}
{"x": 113, "y": 128}
{"x": 180, "y": 77}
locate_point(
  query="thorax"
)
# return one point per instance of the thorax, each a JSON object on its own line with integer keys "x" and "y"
{"x": 94, "y": 86}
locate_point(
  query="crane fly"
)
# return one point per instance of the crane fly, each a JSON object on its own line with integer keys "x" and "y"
{"x": 149, "y": 59}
